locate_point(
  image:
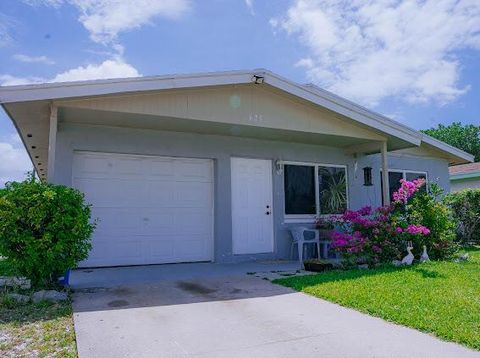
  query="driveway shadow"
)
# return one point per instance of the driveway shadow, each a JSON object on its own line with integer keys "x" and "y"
{"x": 186, "y": 289}
{"x": 178, "y": 292}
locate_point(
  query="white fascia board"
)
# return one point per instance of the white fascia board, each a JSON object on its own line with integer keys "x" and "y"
{"x": 447, "y": 148}
{"x": 62, "y": 90}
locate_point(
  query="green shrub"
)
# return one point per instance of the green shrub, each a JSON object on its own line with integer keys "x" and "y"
{"x": 44, "y": 229}
{"x": 465, "y": 205}
{"x": 425, "y": 208}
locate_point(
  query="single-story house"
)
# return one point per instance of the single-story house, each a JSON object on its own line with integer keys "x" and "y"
{"x": 464, "y": 176}
{"x": 214, "y": 166}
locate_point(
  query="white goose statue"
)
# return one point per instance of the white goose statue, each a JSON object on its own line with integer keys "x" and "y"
{"x": 407, "y": 260}
{"x": 424, "y": 257}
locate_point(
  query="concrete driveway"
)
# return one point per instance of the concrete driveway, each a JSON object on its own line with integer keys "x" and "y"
{"x": 209, "y": 310}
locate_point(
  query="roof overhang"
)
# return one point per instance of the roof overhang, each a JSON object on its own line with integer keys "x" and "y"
{"x": 32, "y": 102}
{"x": 455, "y": 155}
{"x": 66, "y": 90}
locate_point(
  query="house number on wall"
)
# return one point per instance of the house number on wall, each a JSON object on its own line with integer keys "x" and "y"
{"x": 255, "y": 118}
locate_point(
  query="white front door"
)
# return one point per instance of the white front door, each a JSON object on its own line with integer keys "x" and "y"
{"x": 252, "y": 215}
{"x": 151, "y": 209}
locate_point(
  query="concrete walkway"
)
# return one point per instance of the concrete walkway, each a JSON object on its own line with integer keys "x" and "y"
{"x": 203, "y": 311}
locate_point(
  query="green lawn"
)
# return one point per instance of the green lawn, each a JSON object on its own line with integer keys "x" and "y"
{"x": 442, "y": 298}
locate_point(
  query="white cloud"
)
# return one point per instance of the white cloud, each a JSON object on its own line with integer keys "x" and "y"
{"x": 105, "y": 19}
{"x": 369, "y": 50}
{"x": 8, "y": 80}
{"x": 14, "y": 160}
{"x": 113, "y": 68}
{"x": 249, "y": 4}
{"x": 33, "y": 59}
{"x": 305, "y": 62}
{"x": 108, "y": 69}
{"x": 52, "y": 3}
{"x": 7, "y": 24}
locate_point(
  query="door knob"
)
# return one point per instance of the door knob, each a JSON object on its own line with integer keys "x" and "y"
{"x": 268, "y": 213}
{"x": 268, "y": 206}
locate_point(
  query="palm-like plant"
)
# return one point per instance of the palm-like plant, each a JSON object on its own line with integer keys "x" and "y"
{"x": 333, "y": 195}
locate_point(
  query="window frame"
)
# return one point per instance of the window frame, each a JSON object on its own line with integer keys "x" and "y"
{"x": 310, "y": 218}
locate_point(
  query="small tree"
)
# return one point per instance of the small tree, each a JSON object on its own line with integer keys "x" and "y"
{"x": 44, "y": 229}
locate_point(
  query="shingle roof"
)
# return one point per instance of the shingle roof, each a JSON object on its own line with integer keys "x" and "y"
{"x": 464, "y": 168}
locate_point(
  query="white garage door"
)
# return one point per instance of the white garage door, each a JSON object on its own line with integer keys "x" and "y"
{"x": 150, "y": 209}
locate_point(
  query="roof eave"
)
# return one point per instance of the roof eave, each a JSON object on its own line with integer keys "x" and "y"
{"x": 459, "y": 155}
{"x": 345, "y": 107}
{"x": 63, "y": 90}
{"x": 313, "y": 94}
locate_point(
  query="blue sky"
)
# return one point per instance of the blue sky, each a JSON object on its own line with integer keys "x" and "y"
{"x": 415, "y": 61}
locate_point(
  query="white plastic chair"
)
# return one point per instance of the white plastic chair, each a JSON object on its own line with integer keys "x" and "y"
{"x": 299, "y": 239}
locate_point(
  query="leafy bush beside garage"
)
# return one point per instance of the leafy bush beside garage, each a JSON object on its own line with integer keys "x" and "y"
{"x": 45, "y": 229}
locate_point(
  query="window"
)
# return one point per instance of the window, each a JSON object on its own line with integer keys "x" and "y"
{"x": 312, "y": 189}
{"x": 394, "y": 177}
{"x": 300, "y": 190}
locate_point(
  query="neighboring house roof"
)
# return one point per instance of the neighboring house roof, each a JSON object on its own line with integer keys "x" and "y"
{"x": 400, "y": 136}
{"x": 465, "y": 171}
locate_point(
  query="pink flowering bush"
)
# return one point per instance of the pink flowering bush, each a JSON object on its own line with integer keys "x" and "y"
{"x": 407, "y": 189}
{"x": 365, "y": 236}
{"x": 376, "y": 236}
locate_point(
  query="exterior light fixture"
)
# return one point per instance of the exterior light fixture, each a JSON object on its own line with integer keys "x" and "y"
{"x": 279, "y": 167}
{"x": 367, "y": 176}
{"x": 258, "y": 79}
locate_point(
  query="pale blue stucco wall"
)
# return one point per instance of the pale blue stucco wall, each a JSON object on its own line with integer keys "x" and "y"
{"x": 73, "y": 137}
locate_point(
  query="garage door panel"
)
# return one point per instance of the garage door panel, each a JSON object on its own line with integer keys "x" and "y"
{"x": 189, "y": 221}
{"x": 117, "y": 221}
{"x": 127, "y": 249}
{"x": 191, "y": 248}
{"x": 160, "y": 250}
{"x": 193, "y": 170}
{"x": 160, "y": 193}
{"x": 112, "y": 192}
{"x": 159, "y": 221}
{"x": 150, "y": 209}
{"x": 161, "y": 168}
{"x": 90, "y": 166}
{"x": 193, "y": 194}
{"x": 123, "y": 168}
